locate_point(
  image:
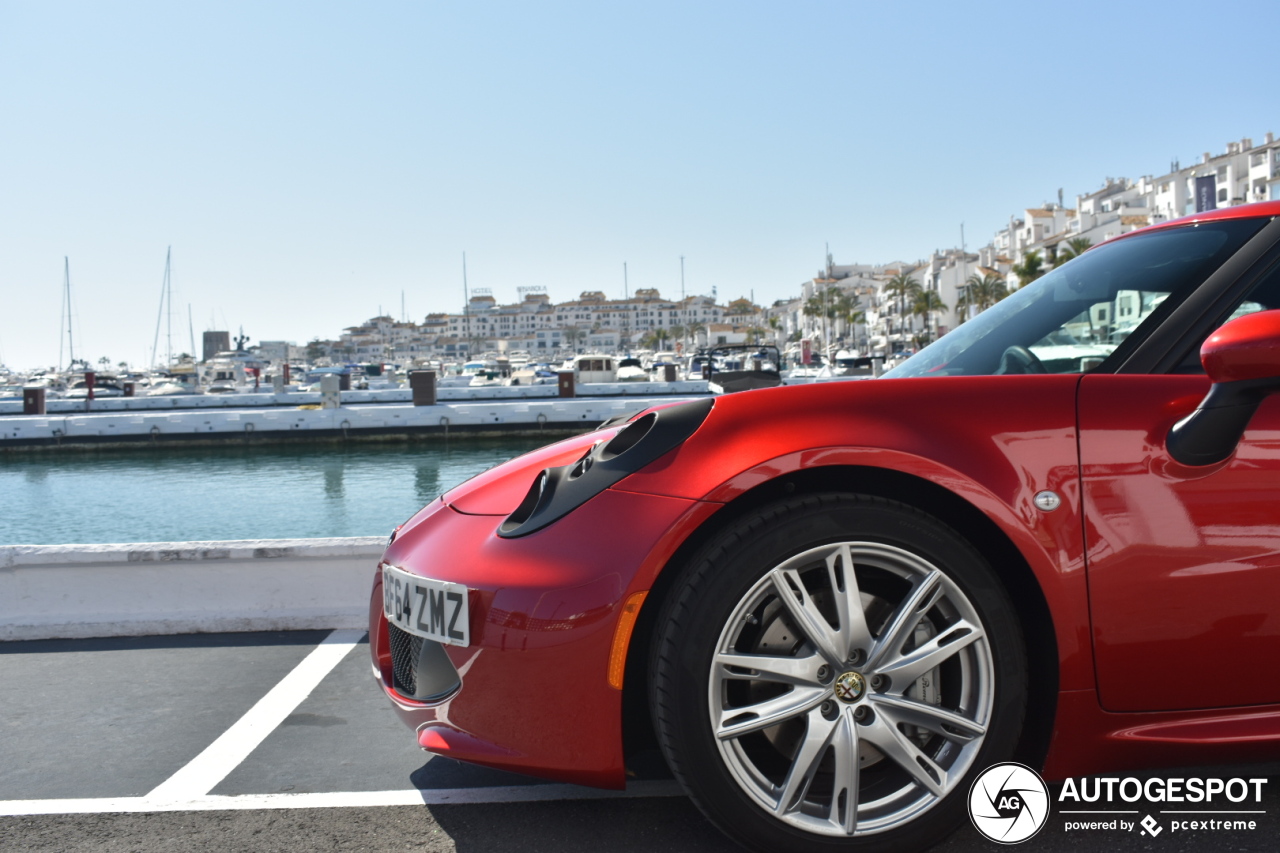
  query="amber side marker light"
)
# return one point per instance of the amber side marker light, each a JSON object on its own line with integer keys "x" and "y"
{"x": 622, "y": 638}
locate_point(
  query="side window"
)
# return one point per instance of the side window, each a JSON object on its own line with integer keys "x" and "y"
{"x": 1264, "y": 296}
{"x": 1084, "y": 341}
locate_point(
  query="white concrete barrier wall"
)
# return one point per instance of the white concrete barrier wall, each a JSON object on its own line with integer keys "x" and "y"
{"x": 387, "y": 416}
{"x": 59, "y": 591}
{"x": 267, "y": 398}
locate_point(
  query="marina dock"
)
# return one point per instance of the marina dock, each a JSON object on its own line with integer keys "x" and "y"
{"x": 265, "y": 398}
{"x": 361, "y": 415}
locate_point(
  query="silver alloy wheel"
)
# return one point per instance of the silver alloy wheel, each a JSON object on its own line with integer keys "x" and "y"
{"x": 851, "y": 688}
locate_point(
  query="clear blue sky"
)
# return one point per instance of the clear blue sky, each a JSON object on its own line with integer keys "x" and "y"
{"x": 310, "y": 161}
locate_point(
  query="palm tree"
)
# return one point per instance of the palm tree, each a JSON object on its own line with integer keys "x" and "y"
{"x": 1031, "y": 268}
{"x": 902, "y": 286}
{"x": 852, "y": 317}
{"x": 814, "y": 307}
{"x": 654, "y": 340}
{"x": 1075, "y": 247}
{"x": 833, "y": 305}
{"x": 677, "y": 332}
{"x": 776, "y": 326}
{"x": 572, "y": 334}
{"x": 822, "y": 303}
{"x": 980, "y": 293}
{"x": 846, "y": 311}
{"x": 925, "y": 303}
{"x": 849, "y": 312}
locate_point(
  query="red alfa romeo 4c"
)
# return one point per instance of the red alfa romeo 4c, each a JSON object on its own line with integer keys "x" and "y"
{"x": 1052, "y": 536}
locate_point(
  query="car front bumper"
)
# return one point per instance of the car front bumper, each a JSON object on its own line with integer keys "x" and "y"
{"x": 533, "y": 694}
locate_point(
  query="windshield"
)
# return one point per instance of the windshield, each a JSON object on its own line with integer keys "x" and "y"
{"x": 1074, "y": 317}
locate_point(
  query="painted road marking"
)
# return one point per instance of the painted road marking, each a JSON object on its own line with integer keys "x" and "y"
{"x": 188, "y": 789}
{"x": 202, "y": 774}
{"x": 354, "y": 799}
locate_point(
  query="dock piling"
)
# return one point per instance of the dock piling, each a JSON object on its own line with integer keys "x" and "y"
{"x": 33, "y": 401}
{"x": 330, "y": 391}
{"x": 567, "y": 388}
{"x": 423, "y": 384}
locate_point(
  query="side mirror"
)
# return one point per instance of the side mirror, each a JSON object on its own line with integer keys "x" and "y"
{"x": 1242, "y": 359}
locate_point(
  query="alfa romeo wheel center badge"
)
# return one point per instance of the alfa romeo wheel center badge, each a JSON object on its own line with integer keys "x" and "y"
{"x": 850, "y": 687}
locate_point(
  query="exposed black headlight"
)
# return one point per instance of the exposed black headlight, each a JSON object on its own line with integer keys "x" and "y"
{"x": 558, "y": 491}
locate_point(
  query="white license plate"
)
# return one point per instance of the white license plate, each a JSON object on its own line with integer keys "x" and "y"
{"x": 433, "y": 609}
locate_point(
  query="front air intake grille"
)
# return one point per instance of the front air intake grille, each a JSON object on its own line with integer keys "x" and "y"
{"x": 420, "y": 668}
{"x": 405, "y": 651}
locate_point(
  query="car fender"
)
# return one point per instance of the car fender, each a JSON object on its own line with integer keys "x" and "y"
{"x": 1009, "y": 439}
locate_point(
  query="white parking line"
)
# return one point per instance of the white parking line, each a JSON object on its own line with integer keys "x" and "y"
{"x": 219, "y": 758}
{"x": 352, "y": 799}
{"x": 188, "y": 789}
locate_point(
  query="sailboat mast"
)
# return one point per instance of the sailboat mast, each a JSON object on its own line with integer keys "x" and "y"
{"x": 71, "y": 344}
{"x": 168, "y": 284}
{"x": 191, "y": 327}
{"x": 160, "y": 315}
{"x": 62, "y": 313}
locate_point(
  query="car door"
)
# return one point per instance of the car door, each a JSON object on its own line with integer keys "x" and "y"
{"x": 1183, "y": 562}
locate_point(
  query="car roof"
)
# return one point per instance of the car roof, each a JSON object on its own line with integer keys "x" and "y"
{"x": 1241, "y": 211}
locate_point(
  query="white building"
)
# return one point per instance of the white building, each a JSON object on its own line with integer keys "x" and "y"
{"x": 1243, "y": 173}
{"x": 946, "y": 273}
{"x": 279, "y": 352}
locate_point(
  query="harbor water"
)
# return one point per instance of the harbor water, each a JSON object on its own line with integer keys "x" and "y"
{"x": 233, "y": 493}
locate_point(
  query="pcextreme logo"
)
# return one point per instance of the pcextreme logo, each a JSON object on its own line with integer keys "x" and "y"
{"x": 1009, "y": 803}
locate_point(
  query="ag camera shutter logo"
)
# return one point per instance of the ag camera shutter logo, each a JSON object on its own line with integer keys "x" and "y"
{"x": 1009, "y": 803}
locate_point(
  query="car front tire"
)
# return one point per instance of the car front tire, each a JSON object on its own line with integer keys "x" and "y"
{"x": 831, "y": 672}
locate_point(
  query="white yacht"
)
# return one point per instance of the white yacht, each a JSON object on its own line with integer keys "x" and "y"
{"x": 229, "y": 372}
{"x": 594, "y": 367}
{"x": 104, "y": 385}
{"x": 168, "y": 386}
{"x": 632, "y": 370}
{"x": 469, "y": 371}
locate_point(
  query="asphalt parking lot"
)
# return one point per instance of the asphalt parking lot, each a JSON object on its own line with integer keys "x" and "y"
{"x": 280, "y": 741}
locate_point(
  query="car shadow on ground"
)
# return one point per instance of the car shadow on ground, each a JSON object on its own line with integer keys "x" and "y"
{"x": 651, "y": 824}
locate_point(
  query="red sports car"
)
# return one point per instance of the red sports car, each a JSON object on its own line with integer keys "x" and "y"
{"x": 1052, "y": 536}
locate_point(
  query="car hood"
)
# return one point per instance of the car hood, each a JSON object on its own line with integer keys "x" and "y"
{"x": 955, "y": 421}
